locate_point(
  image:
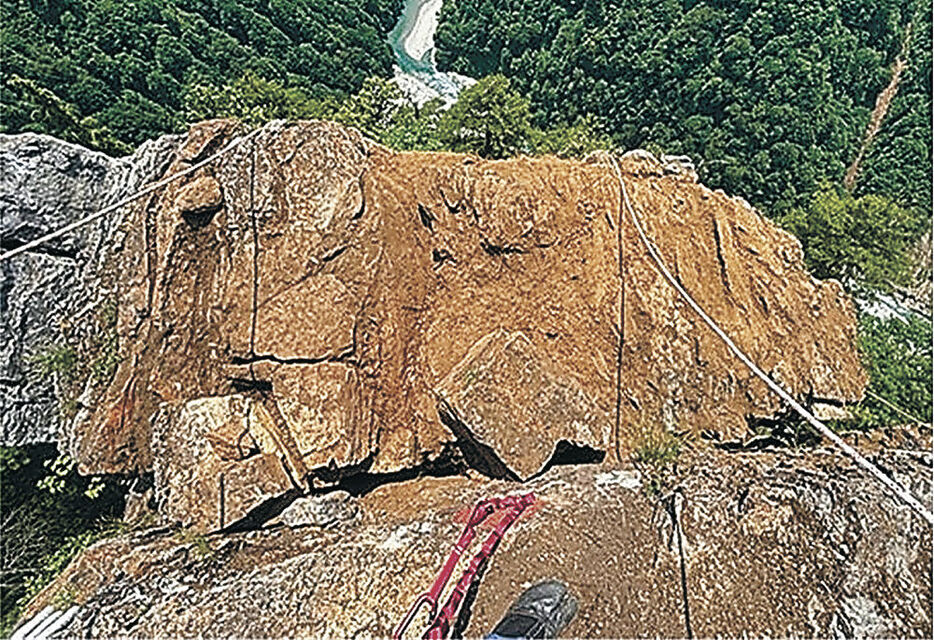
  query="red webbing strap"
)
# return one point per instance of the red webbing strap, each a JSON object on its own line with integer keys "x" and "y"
{"x": 480, "y": 513}
{"x": 441, "y": 625}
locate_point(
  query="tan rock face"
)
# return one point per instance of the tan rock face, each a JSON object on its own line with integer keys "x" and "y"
{"x": 510, "y": 399}
{"x": 200, "y": 196}
{"x": 214, "y": 471}
{"x": 345, "y": 294}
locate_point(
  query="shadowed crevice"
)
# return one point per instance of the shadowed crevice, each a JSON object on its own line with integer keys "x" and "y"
{"x": 496, "y": 250}
{"x": 262, "y": 513}
{"x": 477, "y": 455}
{"x": 358, "y": 481}
{"x": 569, "y": 453}
{"x": 463, "y": 617}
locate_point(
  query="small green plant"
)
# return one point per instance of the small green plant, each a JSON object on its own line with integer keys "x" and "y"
{"x": 65, "y": 597}
{"x": 57, "y": 360}
{"x": 113, "y": 526}
{"x": 59, "y": 468}
{"x": 53, "y": 564}
{"x": 59, "y": 476}
{"x": 655, "y": 457}
{"x": 469, "y": 377}
{"x": 12, "y": 459}
{"x": 897, "y": 354}
{"x": 61, "y": 363}
{"x": 200, "y": 546}
{"x": 46, "y": 523}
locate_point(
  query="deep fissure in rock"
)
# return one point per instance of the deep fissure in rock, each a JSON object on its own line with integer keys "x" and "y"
{"x": 263, "y": 512}
{"x": 358, "y": 481}
{"x": 569, "y": 453}
{"x": 784, "y": 430}
{"x": 496, "y": 250}
{"x": 426, "y": 217}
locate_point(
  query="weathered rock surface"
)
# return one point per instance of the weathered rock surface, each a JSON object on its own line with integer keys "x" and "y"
{"x": 47, "y": 294}
{"x": 220, "y": 467}
{"x": 513, "y": 404}
{"x": 774, "y": 544}
{"x": 313, "y": 306}
{"x": 329, "y": 510}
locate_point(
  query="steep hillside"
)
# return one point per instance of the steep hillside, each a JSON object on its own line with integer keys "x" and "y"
{"x": 129, "y": 64}
{"x": 773, "y": 96}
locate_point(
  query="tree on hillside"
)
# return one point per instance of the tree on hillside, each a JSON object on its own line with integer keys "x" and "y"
{"x": 377, "y": 107}
{"x": 863, "y": 242}
{"x": 45, "y": 112}
{"x": 380, "y": 111}
{"x": 574, "y": 141}
{"x": 488, "y": 119}
{"x": 898, "y": 356}
{"x": 253, "y": 100}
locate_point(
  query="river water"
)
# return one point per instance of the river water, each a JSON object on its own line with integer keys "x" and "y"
{"x": 413, "y": 43}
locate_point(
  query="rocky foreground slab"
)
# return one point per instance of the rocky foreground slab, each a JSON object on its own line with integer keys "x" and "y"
{"x": 774, "y": 544}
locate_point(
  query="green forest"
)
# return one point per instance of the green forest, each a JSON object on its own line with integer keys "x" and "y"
{"x": 128, "y": 65}
{"x": 770, "y": 98}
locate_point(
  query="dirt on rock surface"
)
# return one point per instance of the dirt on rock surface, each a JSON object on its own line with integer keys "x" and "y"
{"x": 314, "y": 306}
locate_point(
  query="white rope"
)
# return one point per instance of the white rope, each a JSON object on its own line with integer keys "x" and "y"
{"x": 113, "y": 207}
{"x": 896, "y": 488}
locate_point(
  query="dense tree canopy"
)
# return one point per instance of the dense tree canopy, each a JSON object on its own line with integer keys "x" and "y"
{"x": 129, "y": 64}
{"x": 862, "y": 242}
{"x": 771, "y": 97}
{"x": 897, "y": 353}
{"x": 488, "y": 119}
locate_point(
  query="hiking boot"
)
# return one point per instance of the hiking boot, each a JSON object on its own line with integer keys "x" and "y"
{"x": 543, "y": 611}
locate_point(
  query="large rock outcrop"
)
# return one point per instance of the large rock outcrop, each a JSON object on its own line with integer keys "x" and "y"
{"x": 48, "y": 295}
{"x": 309, "y": 326}
{"x": 774, "y": 544}
{"x": 313, "y": 305}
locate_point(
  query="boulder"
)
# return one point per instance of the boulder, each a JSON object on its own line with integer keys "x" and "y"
{"x": 213, "y": 463}
{"x": 359, "y": 311}
{"x": 506, "y": 398}
{"x": 329, "y": 510}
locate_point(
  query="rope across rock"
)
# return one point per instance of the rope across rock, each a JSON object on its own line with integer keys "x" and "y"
{"x": 894, "y": 486}
{"x": 32, "y": 244}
